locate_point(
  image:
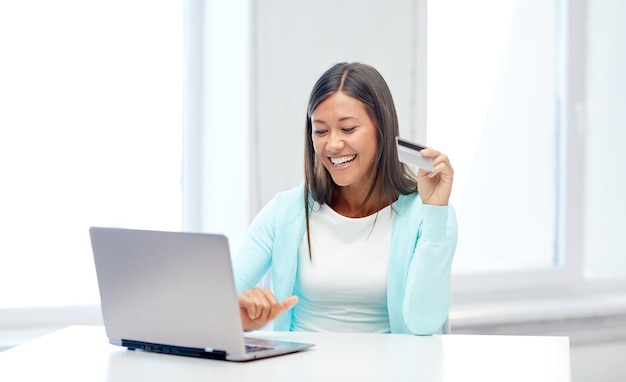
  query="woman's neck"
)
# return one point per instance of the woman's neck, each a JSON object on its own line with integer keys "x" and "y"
{"x": 349, "y": 203}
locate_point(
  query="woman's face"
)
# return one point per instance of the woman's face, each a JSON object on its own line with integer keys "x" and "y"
{"x": 344, "y": 140}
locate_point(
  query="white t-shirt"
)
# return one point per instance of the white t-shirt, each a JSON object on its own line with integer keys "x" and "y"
{"x": 343, "y": 288}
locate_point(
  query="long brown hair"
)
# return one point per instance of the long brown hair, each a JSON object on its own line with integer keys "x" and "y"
{"x": 392, "y": 178}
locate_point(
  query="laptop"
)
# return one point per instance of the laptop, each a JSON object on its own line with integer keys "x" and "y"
{"x": 174, "y": 293}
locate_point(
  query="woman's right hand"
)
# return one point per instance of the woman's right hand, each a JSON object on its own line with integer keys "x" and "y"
{"x": 258, "y": 307}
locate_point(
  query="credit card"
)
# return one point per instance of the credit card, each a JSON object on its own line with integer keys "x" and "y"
{"x": 409, "y": 153}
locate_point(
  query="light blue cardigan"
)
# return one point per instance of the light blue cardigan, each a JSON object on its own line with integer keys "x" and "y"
{"x": 418, "y": 281}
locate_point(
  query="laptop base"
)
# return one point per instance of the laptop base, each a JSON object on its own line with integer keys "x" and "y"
{"x": 175, "y": 350}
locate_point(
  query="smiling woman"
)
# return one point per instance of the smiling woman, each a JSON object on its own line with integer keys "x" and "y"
{"x": 364, "y": 245}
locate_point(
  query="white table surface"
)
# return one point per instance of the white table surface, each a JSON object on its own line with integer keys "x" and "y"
{"x": 82, "y": 353}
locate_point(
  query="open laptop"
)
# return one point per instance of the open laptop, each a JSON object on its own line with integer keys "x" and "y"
{"x": 174, "y": 293}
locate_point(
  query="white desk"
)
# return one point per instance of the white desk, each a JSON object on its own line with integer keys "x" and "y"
{"x": 82, "y": 353}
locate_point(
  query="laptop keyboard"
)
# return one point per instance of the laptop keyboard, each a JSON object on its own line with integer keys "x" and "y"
{"x": 254, "y": 348}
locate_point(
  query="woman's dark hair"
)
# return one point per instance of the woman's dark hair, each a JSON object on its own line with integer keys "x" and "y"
{"x": 390, "y": 177}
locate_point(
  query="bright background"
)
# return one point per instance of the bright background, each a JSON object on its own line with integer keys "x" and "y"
{"x": 189, "y": 116}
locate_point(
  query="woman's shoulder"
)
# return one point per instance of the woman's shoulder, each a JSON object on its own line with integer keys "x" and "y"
{"x": 284, "y": 209}
{"x": 409, "y": 200}
{"x": 287, "y": 203}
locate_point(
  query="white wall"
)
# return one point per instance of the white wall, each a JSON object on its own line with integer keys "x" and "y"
{"x": 604, "y": 119}
{"x": 605, "y": 133}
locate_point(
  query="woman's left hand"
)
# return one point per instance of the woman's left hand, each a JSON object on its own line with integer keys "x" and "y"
{"x": 435, "y": 187}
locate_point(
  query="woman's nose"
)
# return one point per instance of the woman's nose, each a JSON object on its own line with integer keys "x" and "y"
{"x": 335, "y": 142}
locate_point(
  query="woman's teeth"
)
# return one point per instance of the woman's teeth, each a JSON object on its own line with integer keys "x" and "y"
{"x": 341, "y": 160}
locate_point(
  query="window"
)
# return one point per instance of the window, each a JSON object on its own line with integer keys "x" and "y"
{"x": 523, "y": 96}
{"x": 90, "y": 134}
{"x": 492, "y": 105}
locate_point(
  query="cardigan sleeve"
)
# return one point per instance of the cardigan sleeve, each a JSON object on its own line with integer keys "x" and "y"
{"x": 254, "y": 257}
{"x": 427, "y": 297}
{"x": 272, "y": 241}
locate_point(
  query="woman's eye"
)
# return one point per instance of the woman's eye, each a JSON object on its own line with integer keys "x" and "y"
{"x": 319, "y": 132}
{"x": 348, "y": 129}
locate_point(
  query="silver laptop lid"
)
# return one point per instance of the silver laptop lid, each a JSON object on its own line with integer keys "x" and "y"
{"x": 172, "y": 288}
